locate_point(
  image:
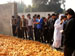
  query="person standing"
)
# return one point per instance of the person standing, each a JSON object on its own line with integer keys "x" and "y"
{"x": 49, "y": 16}
{"x": 69, "y": 32}
{"x": 45, "y": 30}
{"x": 35, "y": 26}
{"x": 39, "y": 29}
{"x": 24, "y": 24}
{"x": 64, "y": 25}
{"x": 30, "y": 27}
{"x": 51, "y": 27}
{"x": 58, "y": 27}
{"x": 18, "y": 28}
{"x": 48, "y": 22}
{"x": 14, "y": 26}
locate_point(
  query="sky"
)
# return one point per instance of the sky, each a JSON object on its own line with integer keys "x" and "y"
{"x": 27, "y": 2}
{"x": 69, "y": 3}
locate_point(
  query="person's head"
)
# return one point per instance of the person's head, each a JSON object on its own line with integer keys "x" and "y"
{"x": 65, "y": 18}
{"x": 34, "y": 17}
{"x": 44, "y": 19}
{"x": 61, "y": 16}
{"x": 29, "y": 16}
{"x": 38, "y": 16}
{"x": 49, "y": 16}
{"x": 23, "y": 16}
{"x": 69, "y": 13}
{"x": 13, "y": 17}
{"x": 57, "y": 15}
{"x": 53, "y": 16}
{"x": 18, "y": 16}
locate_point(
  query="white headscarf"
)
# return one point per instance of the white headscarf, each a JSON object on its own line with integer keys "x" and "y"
{"x": 60, "y": 16}
{"x": 57, "y": 22}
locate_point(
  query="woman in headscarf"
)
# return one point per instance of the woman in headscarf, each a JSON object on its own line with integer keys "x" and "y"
{"x": 58, "y": 28}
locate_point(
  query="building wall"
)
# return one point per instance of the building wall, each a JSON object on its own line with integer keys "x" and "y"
{"x": 42, "y": 14}
{"x": 6, "y": 11}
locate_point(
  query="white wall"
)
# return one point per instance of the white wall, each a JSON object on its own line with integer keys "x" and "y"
{"x": 42, "y": 14}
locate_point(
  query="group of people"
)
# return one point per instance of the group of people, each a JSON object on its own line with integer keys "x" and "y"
{"x": 64, "y": 31}
{"x": 56, "y": 29}
{"x": 37, "y": 28}
{"x": 22, "y": 27}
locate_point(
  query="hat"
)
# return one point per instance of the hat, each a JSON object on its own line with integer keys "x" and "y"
{"x": 70, "y": 11}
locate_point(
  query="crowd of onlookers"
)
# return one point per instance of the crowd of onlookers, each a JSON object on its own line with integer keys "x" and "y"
{"x": 56, "y": 29}
{"x": 36, "y": 28}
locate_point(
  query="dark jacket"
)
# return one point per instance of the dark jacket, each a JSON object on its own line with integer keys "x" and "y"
{"x": 70, "y": 33}
{"x": 45, "y": 26}
{"x": 51, "y": 24}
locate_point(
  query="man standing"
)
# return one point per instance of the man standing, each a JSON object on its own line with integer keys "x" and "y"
{"x": 30, "y": 25}
{"x": 14, "y": 25}
{"x": 39, "y": 29}
{"x": 51, "y": 27}
{"x": 18, "y": 29}
{"x": 35, "y": 26}
{"x": 45, "y": 30}
{"x": 69, "y": 33}
{"x": 24, "y": 23}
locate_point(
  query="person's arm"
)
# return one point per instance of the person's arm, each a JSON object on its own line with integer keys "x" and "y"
{"x": 26, "y": 24}
{"x": 41, "y": 21}
{"x": 32, "y": 24}
{"x": 61, "y": 21}
{"x": 16, "y": 31}
{"x": 17, "y": 25}
{"x": 36, "y": 22}
{"x": 20, "y": 25}
{"x": 10, "y": 22}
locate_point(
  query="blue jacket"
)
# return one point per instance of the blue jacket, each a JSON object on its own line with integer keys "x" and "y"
{"x": 39, "y": 26}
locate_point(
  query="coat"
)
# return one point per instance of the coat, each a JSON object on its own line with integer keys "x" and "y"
{"x": 69, "y": 33}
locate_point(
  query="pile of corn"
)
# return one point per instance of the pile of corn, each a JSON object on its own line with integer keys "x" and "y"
{"x": 12, "y": 46}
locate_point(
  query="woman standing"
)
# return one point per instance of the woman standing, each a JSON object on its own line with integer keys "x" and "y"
{"x": 58, "y": 27}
